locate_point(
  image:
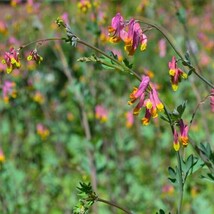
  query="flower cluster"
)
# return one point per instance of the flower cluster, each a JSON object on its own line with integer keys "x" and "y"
{"x": 42, "y": 131}
{"x": 9, "y": 90}
{"x": 147, "y": 97}
{"x": 35, "y": 57}
{"x": 84, "y": 5}
{"x": 130, "y": 32}
{"x": 181, "y": 137}
{"x": 11, "y": 59}
{"x": 175, "y": 73}
{"x": 101, "y": 113}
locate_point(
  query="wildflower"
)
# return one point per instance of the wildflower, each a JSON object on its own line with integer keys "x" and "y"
{"x": 175, "y": 73}
{"x": 101, "y": 113}
{"x": 11, "y": 59}
{"x": 148, "y": 98}
{"x": 212, "y": 100}
{"x": 139, "y": 93}
{"x": 176, "y": 143}
{"x": 84, "y": 5}
{"x": 129, "y": 119}
{"x": 35, "y": 56}
{"x": 15, "y": 2}
{"x": 2, "y": 157}
{"x": 38, "y": 97}
{"x": 184, "y": 133}
{"x": 134, "y": 37}
{"x": 168, "y": 189}
{"x": 3, "y": 28}
{"x": 9, "y": 90}
{"x": 115, "y": 30}
{"x": 42, "y": 131}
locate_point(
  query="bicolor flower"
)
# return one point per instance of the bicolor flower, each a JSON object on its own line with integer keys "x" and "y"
{"x": 212, "y": 100}
{"x": 116, "y": 28}
{"x": 139, "y": 94}
{"x": 84, "y": 5}
{"x": 2, "y": 157}
{"x": 183, "y": 133}
{"x": 176, "y": 143}
{"x": 42, "y": 131}
{"x": 101, "y": 113}
{"x": 134, "y": 37}
{"x": 175, "y": 73}
{"x": 11, "y": 59}
{"x": 153, "y": 105}
{"x": 9, "y": 90}
{"x": 35, "y": 57}
{"x": 129, "y": 119}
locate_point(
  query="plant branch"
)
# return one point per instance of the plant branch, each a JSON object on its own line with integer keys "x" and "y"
{"x": 114, "y": 205}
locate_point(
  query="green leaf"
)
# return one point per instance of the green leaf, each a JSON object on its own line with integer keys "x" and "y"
{"x": 209, "y": 177}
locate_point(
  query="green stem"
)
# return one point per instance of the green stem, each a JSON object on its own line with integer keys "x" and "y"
{"x": 114, "y": 205}
{"x": 39, "y": 41}
{"x": 111, "y": 58}
{"x": 167, "y": 36}
{"x": 180, "y": 183}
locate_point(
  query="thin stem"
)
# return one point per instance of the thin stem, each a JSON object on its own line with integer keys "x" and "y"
{"x": 114, "y": 205}
{"x": 111, "y": 58}
{"x": 167, "y": 36}
{"x": 181, "y": 184}
{"x": 39, "y": 41}
{"x": 164, "y": 33}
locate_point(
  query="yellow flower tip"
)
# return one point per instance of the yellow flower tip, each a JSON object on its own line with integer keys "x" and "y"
{"x": 143, "y": 47}
{"x": 18, "y": 64}
{"x": 174, "y": 87}
{"x": 136, "y": 111}
{"x": 128, "y": 125}
{"x": 130, "y": 103}
{"x": 8, "y": 70}
{"x": 184, "y": 75}
{"x": 3, "y": 61}
{"x": 114, "y": 39}
{"x": 184, "y": 141}
{"x": 176, "y": 146}
{"x": 145, "y": 121}
{"x": 6, "y": 99}
{"x": 103, "y": 119}
{"x": 172, "y": 72}
{"x": 160, "y": 106}
{"x": 29, "y": 58}
{"x": 13, "y": 61}
{"x": 149, "y": 104}
{"x": 2, "y": 159}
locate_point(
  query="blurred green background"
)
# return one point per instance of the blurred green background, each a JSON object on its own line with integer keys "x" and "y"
{"x": 50, "y": 135}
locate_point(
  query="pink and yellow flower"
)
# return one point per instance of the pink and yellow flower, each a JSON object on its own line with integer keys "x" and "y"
{"x": 129, "y": 119}
{"x": 101, "y": 113}
{"x": 2, "y": 157}
{"x": 11, "y": 59}
{"x": 175, "y": 73}
{"x": 9, "y": 90}
{"x": 35, "y": 57}
{"x": 115, "y": 30}
{"x": 184, "y": 133}
{"x": 84, "y": 5}
{"x": 42, "y": 131}
{"x": 147, "y": 97}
